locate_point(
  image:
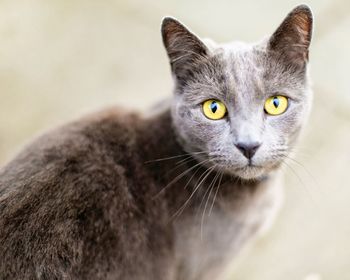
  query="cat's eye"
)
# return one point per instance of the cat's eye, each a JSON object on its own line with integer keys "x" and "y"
{"x": 276, "y": 105}
{"x": 214, "y": 109}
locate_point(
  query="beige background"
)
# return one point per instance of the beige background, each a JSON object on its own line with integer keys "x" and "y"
{"x": 61, "y": 58}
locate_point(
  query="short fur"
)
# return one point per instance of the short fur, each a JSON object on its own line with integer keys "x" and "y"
{"x": 169, "y": 196}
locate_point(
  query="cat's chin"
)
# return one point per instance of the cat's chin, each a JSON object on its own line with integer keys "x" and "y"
{"x": 248, "y": 172}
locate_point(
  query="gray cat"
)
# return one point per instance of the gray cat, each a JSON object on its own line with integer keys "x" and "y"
{"x": 171, "y": 196}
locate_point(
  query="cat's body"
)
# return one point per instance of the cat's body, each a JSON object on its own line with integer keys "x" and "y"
{"x": 122, "y": 196}
{"x": 84, "y": 218}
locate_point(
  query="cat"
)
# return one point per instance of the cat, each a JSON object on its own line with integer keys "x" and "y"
{"x": 173, "y": 195}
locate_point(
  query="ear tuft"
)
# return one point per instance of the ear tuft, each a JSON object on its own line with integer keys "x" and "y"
{"x": 183, "y": 47}
{"x": 292, "y": 39}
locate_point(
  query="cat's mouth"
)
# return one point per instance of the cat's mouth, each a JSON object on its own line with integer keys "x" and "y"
{"x": 246, "y": 170}
{"x": 252, "y": 170}
{"x": 249, "y": 171}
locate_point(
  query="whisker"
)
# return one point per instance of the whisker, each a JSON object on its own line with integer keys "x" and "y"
{"x": 184, "y": 160}
{"x": 216, "y": 193}
{"x": 172, "y": 157}
{"x": 178, "y": 177}
{"x": 182, "y": 208}
{"x": 207, "y": 190}
{"x": 302, "y": 166}
{"x": 300, "y": 181}
{"x": 179, "y": 164}
{"x": 211, "y": 187}
{"x": 194, "y": 174}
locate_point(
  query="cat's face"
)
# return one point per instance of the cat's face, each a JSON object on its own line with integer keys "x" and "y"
{"x": 245, "y": 127}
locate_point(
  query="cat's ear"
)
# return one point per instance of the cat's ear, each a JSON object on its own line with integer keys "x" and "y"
{"x": 183, "y": 47}
{"x": 291, "y": 40}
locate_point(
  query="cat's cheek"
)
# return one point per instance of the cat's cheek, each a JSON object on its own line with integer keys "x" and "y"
{"x": 208, "y": 135}
{"x": 294, "y": 121}
{"x": 284, "y": 124}
{"x": 206, "y": 131}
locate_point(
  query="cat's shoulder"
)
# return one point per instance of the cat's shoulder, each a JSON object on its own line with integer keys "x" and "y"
{"x": 93, "y": 144}
{"x": 109, "y": 125}
{"x": 92, "y": 132}
{"x": 75, "y": 164}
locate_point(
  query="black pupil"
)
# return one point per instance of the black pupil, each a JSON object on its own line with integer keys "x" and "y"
{"x": 214, "y": 106}
{"x": 276, "y": 102}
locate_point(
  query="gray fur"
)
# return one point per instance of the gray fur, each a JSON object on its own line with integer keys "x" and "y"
{"x": 117, "y": 195}
{"x": 242, "y": 76}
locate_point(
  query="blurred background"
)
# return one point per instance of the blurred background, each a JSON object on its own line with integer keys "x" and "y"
{"x": 62, "y": 58}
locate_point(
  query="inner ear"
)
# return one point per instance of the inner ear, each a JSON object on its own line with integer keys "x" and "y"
{"x": 291, "y": 40}
{"x": 184, "y": 49}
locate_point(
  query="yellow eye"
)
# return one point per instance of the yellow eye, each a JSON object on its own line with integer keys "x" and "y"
{"x": 214, "y": 109}
{"x": 276, "y": 105}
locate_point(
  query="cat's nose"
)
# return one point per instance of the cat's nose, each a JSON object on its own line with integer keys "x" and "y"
{"x": 248, "y": 149}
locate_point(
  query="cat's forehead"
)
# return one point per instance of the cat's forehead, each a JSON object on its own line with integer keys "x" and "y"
{"x": 248, "y": 69}
{"x": 239, "y": 68}
{"x": 244, "y": 63}
{"x": 242, "y": 59}
{"x": 240, "y": 71}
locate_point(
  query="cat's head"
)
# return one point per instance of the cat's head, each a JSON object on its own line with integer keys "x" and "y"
{"x": 241, "y": 106}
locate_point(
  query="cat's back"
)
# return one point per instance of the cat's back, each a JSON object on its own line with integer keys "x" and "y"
{"x": 65, "y": 201}
{"x": 92, "y": 141}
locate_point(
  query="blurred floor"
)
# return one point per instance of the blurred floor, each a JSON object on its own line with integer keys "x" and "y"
{"x": 60, "y": 58}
